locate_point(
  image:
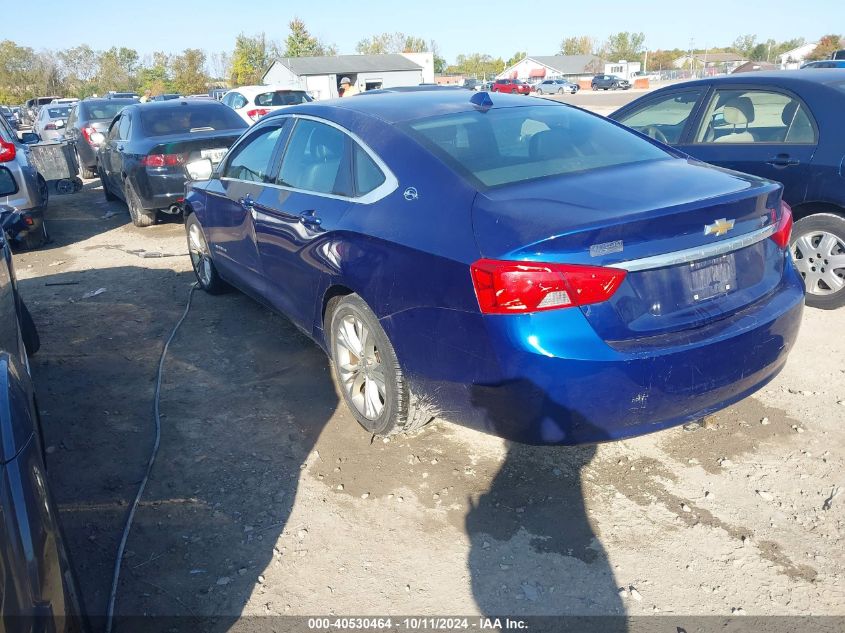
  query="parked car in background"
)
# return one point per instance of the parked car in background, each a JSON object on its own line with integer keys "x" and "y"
{"x": 87, "y": 124}
{"x": 840, "y": 54}
{"x": 50, "y": 122}
{"x": 16, "y": 113}
{"x": 32, "y": 107}
{"x": 167, "y": 97}
{"x": 555, "y": 300}
{"x": 471, "y": 84}
{"x": 64, "y": 101}
{"x": 112, "y": 94}
{"x": 25, "y": 202}
{"x": 142, "y": 159}
{"x": 824, "y": 63}
{"x": 783, "y": 125}
{"x": 556, "y": 86}
{"x": 40, "y": 591}
{"x": 253, "y": 102}
{"x": 609, "y": 82}
{"x": 511, "y": 86}
{"x": 9, "y": 116}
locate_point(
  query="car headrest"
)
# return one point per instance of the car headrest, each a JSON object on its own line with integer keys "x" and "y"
{"x": 324, "y": 144}
{"x": 788, "y": 113}
{"x": 739, "y": 111}
{"x": 549, "y": 144}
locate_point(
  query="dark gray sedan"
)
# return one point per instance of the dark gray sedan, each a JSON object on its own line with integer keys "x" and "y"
{"x": 87, "y": 125}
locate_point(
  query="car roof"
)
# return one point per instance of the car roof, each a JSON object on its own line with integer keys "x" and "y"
{"x": 179, "y": 103}
{"x": 814, "y": 76}
{"x": 395, "y": 107}
{"x": 103, "y": 100}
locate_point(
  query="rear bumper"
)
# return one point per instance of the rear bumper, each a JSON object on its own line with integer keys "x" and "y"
{"x": 161, "y": 190}
{"x": 547, "y": 378}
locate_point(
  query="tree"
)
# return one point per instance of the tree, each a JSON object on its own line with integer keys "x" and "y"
{"x": 661, "y": 59}
{"x": 189, "y": 75}
{"x": 579, "y": 45}
{"x": 477, "y": 65}
{"x": 826, "y": 47}
{"x": 745, "y": 45}
{"x": 220, "y": 64}
{"x": 300, "y": 43}
{"x": 398, "y": 42}
{"x": 78, "y": 69}
{"x": 516, "y": 58}
{"x": 624, "y": 45}
{"x": 439, "y": 61}
{"x": 249, "y": 59}
{"x": 116, "y": 69}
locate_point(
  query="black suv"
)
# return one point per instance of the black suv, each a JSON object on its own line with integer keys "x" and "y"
{"x": 609, "y": 82}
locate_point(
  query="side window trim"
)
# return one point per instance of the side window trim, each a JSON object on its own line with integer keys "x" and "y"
{"x": 705, "y": 104}
{"x": 390, "y": 184}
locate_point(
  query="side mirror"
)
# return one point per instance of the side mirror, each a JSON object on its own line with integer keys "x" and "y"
{"x": 200, "y": 169}
{"x": 29, "y": 138}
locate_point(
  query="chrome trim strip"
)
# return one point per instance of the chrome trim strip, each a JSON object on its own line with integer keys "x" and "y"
{"x": 697, "y": 253}
{"x": 390, "y": 184}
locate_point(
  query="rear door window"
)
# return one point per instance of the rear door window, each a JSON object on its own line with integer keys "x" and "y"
{"x": 368, "y": 176}
{"x": 756, "y": 116}
{"x": 252, "y": 159}
{"x": 317, "y": 159}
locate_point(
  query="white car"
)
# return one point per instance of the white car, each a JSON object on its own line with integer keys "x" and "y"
{"x": 253, "y": 102}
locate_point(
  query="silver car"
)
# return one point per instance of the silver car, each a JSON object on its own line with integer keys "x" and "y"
{"x": 26, "y": 226}
{"x": 51, "y": 121}
{"x": 556, "y": 87}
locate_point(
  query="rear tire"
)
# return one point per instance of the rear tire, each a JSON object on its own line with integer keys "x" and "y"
{"x": 201, "y": 261}
{"x": 37, "y": 239}
{"x": 367, "y": 372}
{"x": 823, "y": 233}
{"x": 83, "y": 169}
{"x": 108, "y": 194}
{"x": 140, "y": 216}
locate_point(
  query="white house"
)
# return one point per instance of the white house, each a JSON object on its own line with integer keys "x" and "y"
{"x": 554, "y": 67}
{"x": 321, "y": 75}
{"x": 794, "y": 58}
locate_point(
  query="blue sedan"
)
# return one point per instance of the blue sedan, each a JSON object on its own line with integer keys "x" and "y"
{"x": 519, "y": 266}
{"x": 786, "y": 126}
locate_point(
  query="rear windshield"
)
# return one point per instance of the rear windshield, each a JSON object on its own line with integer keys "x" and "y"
{"x": 186, "y": 118}
{"x": 509, "y": 145}
{"x": 59, "y": 112}
{"x": 102, "y": 110}
{"x": 282, "y": 98}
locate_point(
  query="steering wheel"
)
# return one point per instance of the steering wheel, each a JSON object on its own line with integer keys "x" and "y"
{"x": 655, "y": 133}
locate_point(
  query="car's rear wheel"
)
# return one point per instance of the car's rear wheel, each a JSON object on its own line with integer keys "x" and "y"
{"x": 367, "y": 371}
{"x": 140, "y": 216}
{"x": 204, "y": 269}
{"x": 102, "y": 175}
{"x": 818, "y": 250}
{"x": 37, "y": 238}
{"x": 540, "y": 91}
{"x": 83, "y": 169}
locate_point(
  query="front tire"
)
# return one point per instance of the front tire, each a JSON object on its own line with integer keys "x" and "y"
{"x": 818, "y": 251}
{"x": 367, "y": 372}
{"x": 204, "y": 269}
{"x": 140, "y": 216}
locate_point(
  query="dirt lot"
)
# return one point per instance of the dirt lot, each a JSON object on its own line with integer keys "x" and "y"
{"x": 267, "y": 498}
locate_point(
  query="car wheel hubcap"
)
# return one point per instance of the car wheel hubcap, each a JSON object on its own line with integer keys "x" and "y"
{"x": 360, "y": 367}
{"x": 200, "y": 259}
{"x": 820, "y": 258}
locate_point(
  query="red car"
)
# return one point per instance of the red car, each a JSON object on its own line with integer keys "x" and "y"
{"x": 513, "y": 86}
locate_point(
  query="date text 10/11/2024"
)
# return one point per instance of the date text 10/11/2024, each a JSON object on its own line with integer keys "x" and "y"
{"x": 416, "y": 624}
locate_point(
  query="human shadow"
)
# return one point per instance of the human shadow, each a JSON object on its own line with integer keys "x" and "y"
{"x": 536, "y": 504}
{"x": 243, "y": 401}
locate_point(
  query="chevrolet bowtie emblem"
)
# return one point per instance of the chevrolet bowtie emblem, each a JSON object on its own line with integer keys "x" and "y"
{"x": 719, "y": 227}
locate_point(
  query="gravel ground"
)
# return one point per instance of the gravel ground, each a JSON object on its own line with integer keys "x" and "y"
{"x": 267, "y": 498}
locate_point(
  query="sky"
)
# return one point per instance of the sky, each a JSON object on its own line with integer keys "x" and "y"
{"x": 496, "y": 27}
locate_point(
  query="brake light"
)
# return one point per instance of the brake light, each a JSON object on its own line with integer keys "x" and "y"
{"x": 784, "y": 230}
{"x": 7, "y": 151}
{"x": 50, "y": 126}
{"x": 92, "y": 136}
{"x": 163, "y": 160}
{"x": 257, "y": 113}
{"x": 509, "y": 287}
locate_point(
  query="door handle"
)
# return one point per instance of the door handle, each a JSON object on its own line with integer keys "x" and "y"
{"x": 309, "y": 218}
{"x": 246, "y": 202}
{"x": 783, "y": 160}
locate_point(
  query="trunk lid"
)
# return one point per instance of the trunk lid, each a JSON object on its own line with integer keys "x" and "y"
{"x": 633, "y": 216}
{"x": 210, "y": 144}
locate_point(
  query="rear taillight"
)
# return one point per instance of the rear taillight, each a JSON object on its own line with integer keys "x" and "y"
{"x": 508, "y": 287}
{"x": 7, "y": 151}
{"x": 257, "y": 113}
{"x": 163, "y": 160}
{"x": 92, "y": 136}
{"x": 50, "y": 126}
{"x": 784, "y": 228}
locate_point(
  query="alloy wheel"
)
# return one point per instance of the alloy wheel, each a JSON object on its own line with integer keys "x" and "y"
{"x": 360, "y": 367}
{"x": 820, "y": 258}
{"x": 200, "y": 257}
